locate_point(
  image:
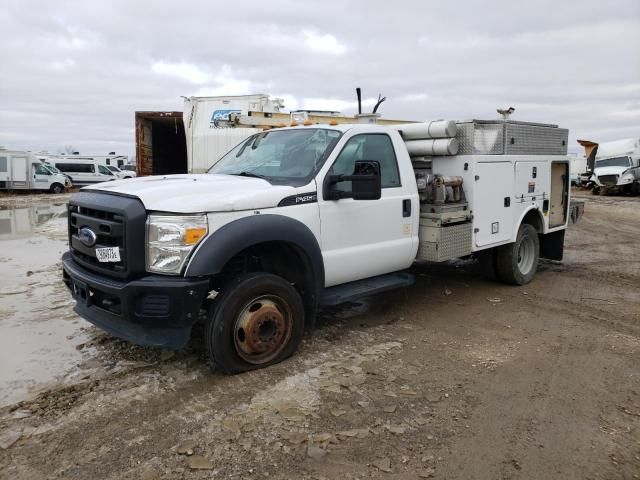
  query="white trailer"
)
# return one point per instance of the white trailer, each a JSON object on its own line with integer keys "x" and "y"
{"x": 191, "y": 141}
{"x": 21, "y": 170}
{"x": 207, "y": 137}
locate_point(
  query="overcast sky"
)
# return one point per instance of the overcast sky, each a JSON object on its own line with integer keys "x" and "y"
{"x": 74, "y": 73}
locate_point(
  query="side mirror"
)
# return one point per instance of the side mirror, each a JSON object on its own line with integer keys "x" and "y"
{"x": 365, "y": 182}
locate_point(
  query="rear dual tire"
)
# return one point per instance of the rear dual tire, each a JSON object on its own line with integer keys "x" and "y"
{"x": 256, "y": 321}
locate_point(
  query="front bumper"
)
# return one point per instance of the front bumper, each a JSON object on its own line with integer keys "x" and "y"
{"x": 154, "y": 310}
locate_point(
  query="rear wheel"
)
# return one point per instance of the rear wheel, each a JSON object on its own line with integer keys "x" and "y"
{"x": 56, "y": 188}
{"x": 256, "y": 321}
{"x": 517, "y": 262}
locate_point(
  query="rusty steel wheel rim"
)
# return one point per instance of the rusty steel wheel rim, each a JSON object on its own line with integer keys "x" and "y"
{"x": 262, "y": 329}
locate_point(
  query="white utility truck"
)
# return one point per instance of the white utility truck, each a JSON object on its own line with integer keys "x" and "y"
{"x": 24, "y": 171}
{"x": 616, "y": 167}
{"x": 292, "y": 219}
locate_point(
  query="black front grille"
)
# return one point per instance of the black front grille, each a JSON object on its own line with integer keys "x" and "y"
{"x": 608, "y": 180}
{"x": 117, "y": 221}
{"x": 110, "y": 230}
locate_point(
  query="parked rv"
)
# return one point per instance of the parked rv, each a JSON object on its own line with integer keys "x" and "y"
{"x": 106, "y": 160}
{"x": 24, "y": 171}
{"x": 85, "y": 171}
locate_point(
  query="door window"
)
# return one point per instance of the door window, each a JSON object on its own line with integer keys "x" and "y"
{"x": 370, "y": 146}
{"x": 39, "y": 169}
{"x": 104, "y": 170}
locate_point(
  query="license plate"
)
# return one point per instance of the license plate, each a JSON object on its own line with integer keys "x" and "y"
{"x": 108, "y": 254}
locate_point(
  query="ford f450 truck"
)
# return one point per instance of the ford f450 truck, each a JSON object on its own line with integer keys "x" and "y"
{"x": 296, "y": 218}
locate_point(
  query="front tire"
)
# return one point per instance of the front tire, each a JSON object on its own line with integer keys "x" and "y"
{"x": 56, "y": 188}
{"x": 257, "y": 320}
{"x": 517, "y": 262}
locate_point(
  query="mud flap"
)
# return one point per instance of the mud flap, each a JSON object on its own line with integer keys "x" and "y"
{"x": 552, "y": 245}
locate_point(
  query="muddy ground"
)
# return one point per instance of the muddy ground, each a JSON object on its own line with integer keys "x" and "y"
{"x": 453, "y": 378}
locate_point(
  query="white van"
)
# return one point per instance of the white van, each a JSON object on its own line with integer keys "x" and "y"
{"x": 106, "y": 160}
{"x": 85, "y": 172}
{"x": 121, "y": 173}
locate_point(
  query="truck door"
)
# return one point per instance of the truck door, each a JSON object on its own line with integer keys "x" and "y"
{"x": 364, "y": 238}
{"x": 493, "y": 209}
{"x": 40, "y": 176}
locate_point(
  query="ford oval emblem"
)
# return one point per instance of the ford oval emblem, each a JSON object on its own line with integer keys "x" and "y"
{"x": 87, "y": 236}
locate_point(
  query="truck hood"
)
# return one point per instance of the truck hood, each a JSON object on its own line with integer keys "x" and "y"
{"x": 199, "y": 193}
{"x": 609, "y": 170}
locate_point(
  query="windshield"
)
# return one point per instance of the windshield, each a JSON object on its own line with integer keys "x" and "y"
{"x": 288, "y": 157}
{"x": 52, "y": 169}
{"x": 112, "y": 168}
{"x": 613, "y": 162}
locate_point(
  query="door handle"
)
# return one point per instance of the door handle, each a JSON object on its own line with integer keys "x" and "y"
{"x": 406, "y": 207}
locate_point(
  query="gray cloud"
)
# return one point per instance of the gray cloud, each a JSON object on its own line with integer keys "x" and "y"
{"x": 74, "y": 72}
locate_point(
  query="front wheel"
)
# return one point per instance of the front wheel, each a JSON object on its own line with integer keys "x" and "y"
{"x": 56, "y": 188}
{"x": 517, "y": 262}
{"x": 256, "y": 321}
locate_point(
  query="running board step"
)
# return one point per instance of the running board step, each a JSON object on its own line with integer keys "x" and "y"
{"x": 363, "y": 288}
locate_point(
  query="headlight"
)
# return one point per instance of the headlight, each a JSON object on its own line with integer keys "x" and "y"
{"x": 170, "y": 240}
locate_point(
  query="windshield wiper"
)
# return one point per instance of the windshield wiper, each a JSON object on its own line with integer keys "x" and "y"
{"x": 251, "y": 174}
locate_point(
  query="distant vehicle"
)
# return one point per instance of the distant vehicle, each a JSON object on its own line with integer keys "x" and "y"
{"x": 615, "y": 166}
{"x": 191, "y": 142}
{"x": 85, "y": 172}
{"x": 578, "y": 170}
{"x": 111, "y": 159}
{"x": 23, "y": 171}
{"x": 128, "y": 168}
{"x": 121, "y": 173}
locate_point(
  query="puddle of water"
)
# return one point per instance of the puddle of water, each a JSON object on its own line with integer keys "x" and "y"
{"x": 38, "y": 329}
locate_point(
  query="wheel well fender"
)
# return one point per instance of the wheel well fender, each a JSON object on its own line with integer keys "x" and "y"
{"x": 533, "y": 216}
{"x": 211, "y": 257}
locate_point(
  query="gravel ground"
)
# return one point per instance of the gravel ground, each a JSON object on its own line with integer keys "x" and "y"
{"x": 456, "y": 377}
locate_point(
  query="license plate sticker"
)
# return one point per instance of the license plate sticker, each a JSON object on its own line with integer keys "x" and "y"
{"x": 108, "y": 254}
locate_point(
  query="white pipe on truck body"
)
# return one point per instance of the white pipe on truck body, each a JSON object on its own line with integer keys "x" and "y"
{"x": 435, "y": 129}
{"x": 436, "y": 146}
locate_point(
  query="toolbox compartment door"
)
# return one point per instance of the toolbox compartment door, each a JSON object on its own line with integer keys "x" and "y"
{"x": 492, "y": 212}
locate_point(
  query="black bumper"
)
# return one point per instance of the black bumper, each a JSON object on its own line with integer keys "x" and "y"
{"x": 154, "y": 310}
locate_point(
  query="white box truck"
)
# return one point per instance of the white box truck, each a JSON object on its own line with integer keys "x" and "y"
{"x": 192, "y": 140}
{"x": 24, "y": 171}
{"x": 296, "y": 218}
